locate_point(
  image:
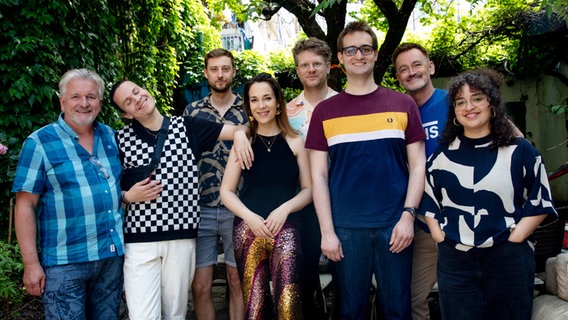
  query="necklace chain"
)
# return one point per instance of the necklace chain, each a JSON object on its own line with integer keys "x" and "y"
{"x": 268, "y": 142}
{"x": 154, "y": 135}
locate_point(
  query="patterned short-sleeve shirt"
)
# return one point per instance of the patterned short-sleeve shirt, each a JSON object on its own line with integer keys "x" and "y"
{"x": 212, "y": 163}
{"x": 79, "y": 214}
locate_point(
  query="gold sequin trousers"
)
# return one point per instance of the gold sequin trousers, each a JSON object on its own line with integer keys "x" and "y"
{"x": 261, "y": 261}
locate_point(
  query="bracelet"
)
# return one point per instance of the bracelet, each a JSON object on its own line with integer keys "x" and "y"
{"x": 410, "y": 210}
{"x": 123, "y": 198}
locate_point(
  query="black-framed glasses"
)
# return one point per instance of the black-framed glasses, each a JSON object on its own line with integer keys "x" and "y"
{"x": 97, "y": 163}
{"x": 352, "y": 50}
{"x": 476, "y": 100}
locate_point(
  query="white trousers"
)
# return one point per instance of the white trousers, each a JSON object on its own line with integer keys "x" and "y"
{"x": 157, "y": 278}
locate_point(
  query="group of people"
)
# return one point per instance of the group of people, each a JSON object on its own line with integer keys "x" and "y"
{"x": 406, "y": 189}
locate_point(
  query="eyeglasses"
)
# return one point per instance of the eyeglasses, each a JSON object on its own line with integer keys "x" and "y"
{"x": 95, "y": 161}
{"x": 352, "y": 50}
{"x": 316, "y": 65}
{"x": 476, "y": 100}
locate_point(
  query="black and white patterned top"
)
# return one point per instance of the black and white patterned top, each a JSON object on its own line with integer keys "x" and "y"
{"x": 479, "y": 194}
{"x": 175, "y": 213}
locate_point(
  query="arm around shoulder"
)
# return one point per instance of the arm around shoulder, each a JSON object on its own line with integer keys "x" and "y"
{"x": 241, "y": 143}
{"x": 230, "y": 132}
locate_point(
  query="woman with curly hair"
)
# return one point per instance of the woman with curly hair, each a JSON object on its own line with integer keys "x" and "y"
{"x": 486, "y": 192}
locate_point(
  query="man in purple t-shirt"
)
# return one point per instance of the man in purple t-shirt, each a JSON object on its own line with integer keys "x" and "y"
{"x": 367, "y": 161}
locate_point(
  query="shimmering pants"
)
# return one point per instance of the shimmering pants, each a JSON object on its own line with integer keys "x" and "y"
{"x": 261, "y": 261}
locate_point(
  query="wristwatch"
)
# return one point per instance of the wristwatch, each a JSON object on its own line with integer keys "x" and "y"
{"x": 410, "y": 210}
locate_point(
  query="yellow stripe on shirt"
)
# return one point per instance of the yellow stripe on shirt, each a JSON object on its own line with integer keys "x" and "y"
{"x": 365, "y": 127}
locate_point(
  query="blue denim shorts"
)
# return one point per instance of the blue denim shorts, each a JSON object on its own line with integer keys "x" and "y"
{"x": 215, "y": 223}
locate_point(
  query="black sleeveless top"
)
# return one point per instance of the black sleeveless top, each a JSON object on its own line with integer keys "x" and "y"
{"x": 273, "y": 179}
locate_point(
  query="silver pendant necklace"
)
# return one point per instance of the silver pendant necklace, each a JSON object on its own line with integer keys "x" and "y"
{"x": 267, "y": 142}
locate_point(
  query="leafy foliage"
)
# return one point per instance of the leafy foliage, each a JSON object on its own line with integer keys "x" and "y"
{"x": 559, "y": 110}
{"x": 38, "y": 46}
{"x": 8, "y": 164}
{"x": 153, "y": 36}
{"x": 556, "y": 7}
{"x": 249, "y": 64}
{"x": 11, "y": 269}
{"x": 281, "y": 60}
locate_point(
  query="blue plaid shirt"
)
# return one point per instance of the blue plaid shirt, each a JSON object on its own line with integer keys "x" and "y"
{"x": 79, "y": 213}
{"x": 212, "y": 163}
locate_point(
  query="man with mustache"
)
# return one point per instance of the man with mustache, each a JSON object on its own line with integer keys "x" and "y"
{"x": 413, "y": 71}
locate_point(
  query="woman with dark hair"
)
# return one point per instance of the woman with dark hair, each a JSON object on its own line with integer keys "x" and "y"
{"x": 488, "y": 82}
{"x": 266, "y": 236}
{"x": 486, "y": 192}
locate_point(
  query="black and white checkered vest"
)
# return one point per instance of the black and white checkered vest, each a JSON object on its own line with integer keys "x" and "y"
{"x": 175, "y": 213}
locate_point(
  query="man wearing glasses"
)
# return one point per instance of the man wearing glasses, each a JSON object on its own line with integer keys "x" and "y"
{"x": 68, "y": 197}
{"x": 367, "y": 193}
{"x": 312, "y": 57}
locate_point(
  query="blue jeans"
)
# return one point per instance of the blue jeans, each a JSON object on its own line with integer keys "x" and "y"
{"x": 366, "y": 252}
{"x": 89, "y": 290}
{"x": 486, "y": 283}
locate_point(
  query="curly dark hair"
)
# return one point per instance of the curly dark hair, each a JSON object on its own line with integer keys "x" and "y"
{"x": 488, "y": 82}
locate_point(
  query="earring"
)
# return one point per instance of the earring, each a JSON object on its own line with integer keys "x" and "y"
{"x": 456, "y": 123}
{"x": 251, "y": 119}
{"x": 493, "y": 113}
